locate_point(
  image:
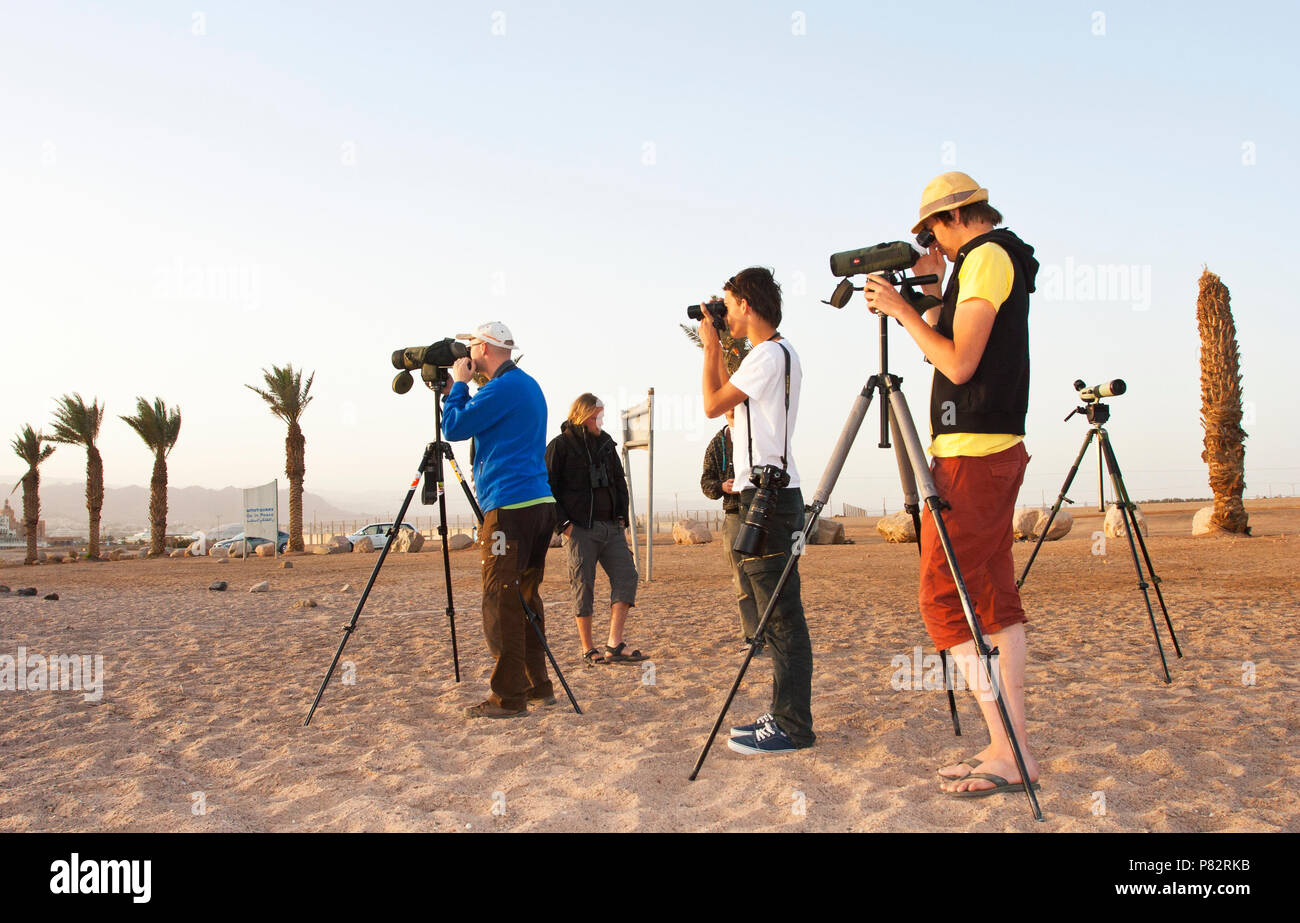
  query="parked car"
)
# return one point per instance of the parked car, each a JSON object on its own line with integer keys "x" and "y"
{"x": 377, "y": 532}
{"x": 254, "y": 541}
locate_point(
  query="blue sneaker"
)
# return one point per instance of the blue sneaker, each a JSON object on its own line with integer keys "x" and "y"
{"x": 744, "y": 730}
{"x": 767, "y": 739}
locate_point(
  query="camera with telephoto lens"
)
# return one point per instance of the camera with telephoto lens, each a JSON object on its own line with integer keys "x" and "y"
{"x": 752, "y": 537}
{"x": 717, "y": 313}
{"x": 432, "y": 361}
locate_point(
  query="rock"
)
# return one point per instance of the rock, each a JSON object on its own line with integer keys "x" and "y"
{"x": 346, "y": 588}
{"x": 363, "y": 546}
{"x": 690, "y": 532}
{"x": 116, "y": 555}
{"x": 179, "y": 553}
{"x": 1202, "y": 523}
{"x": 322, "y": 549}
{"x": 828, "y": 532}
{"x": 1061, "y": 525}
{"x": 408, "y": 542}
{"x": 286, "y": 564}
{"x": 1114, "y": 526}
{"x": 26, "y": 591}
{"x": 460, "y": 541}
{"x": 52, "y": 597}
{"x": 235, "y": 551}
{"x": 305, "y": 604}
{"x": 142, "y": 554}
{"x": 265, "y": 551}
{"x": 260, "y": 587}
{"x": 215, "y": 552}
{"x": 218, "y": 586}
{"x": 54, "y": 558}
{"x": 897, "y": 528}
{"x": 223, "y": 560}
{"x": 1024, "y": 522}
{"x": 341, "y": 542}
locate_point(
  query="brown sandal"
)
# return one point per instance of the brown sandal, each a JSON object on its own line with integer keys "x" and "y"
{"x": 616, "y": 655}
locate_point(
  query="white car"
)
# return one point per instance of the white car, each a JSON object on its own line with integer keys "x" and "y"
{"x": 377, "y": 532}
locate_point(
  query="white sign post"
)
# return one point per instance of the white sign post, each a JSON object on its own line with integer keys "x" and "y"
{"x": 639, "y": 433}
{"x": 262, "y": 509}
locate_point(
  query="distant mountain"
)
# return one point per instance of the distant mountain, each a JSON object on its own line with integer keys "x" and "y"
{"x": 126, "y": 509}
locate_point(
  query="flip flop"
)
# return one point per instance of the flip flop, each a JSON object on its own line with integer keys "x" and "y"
{"x": 971, "y": 761}
{"x": 1000, "y": 786}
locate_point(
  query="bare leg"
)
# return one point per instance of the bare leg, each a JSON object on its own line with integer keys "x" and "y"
{"x": 584, "y": 632}
{"x": 617, "y": 618}
{"x": 997, "y": 758}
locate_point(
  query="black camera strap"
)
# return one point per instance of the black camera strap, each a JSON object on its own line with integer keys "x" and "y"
{"x": 749, "y": 425}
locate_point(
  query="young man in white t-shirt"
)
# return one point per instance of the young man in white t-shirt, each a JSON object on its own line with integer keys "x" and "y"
{"x": 764, "y": 427}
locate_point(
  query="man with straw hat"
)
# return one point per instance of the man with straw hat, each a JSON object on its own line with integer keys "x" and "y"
{"x": 978, "y": 341}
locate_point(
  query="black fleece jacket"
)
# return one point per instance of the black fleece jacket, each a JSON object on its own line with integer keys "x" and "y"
{"x": 569, "y": 458}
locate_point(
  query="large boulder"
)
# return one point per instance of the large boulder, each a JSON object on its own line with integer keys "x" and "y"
{"x": 363, "y": 546}
{"x": 460, "y": 541}
{"x": 690, "y": 532}
{"x": 1061, "y": 525}
{"x": 407, "y": 541}
{"x": 341, "y": 542}
{"x": 897, "y": 528}
{"x": 827, "y": 532}
{"x": 1202, "y": 522}
{"x": 236, "y": 550}
{"x": 266, "y": 550}
{"x": 1114, "y": 524}
{"x": 219, "y": 552}
{"x": 1024, "y": 522}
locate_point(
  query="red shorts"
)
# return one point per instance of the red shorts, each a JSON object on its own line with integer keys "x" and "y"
{"x": 982, "y": 493}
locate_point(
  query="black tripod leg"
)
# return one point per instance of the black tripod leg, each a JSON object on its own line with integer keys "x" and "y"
{"x": 809, "y": 524}
{"x": 351, "y": 626}
{"x": 1129, "y": 516}
{"x": 1056, "y": 507}
{"x": 541, "y": 636}
{"x": 446, "y": 567}
{"x": 911, "y": 504}
{"x": 907, "y": 430}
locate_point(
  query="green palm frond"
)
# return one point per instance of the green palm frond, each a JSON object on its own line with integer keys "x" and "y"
{"x": 735, "y": 350}
{"x": 27, "y": 446}
{"x": 75, "y": 423}
{"x": 156, "y": 424}
{"x": 285, "y": 393}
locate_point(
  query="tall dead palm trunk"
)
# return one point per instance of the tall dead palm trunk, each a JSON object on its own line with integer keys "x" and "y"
{"x": 77, "y": 424}
{"x": 159, "y": 427}
{"x": 1225, "y": 449}
{"x": 27, "y": 446}
{"x": 288, "y": 397}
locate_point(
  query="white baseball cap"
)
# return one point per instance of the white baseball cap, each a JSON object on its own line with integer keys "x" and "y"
{"x": 494, "y": 332}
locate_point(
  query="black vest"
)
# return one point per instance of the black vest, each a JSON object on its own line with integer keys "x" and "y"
{"x": 996, "y": 397}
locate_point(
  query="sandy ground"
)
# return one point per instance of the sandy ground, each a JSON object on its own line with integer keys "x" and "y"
{"x": 206, "y": 693}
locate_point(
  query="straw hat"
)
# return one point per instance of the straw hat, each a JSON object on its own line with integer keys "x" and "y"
{"x": 948, "y": 191}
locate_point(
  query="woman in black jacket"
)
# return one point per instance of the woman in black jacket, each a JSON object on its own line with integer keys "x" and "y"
{"x": 591, "y": 500}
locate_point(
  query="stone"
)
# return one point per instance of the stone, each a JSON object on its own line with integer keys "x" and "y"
{"x": 286, "y": 564}
{"x": 215, "y": 552}
{"x": 306, "y": 604}
{"x": 1024, "y": 521}
{"x": 363, "y": 546}
{"x": 27, "y": 591}
{"x": 54, "y": 558}
{"x": 179, "y": 553}
{"x": 223, "y": 560}
{"x": 1061, "y": 525}
{"x": 690, "y": 532}
{"x": 218, "y": 586}
{"x": 1114, "y": 525}
{"x": 115, "y": 554}
{"x": 828, "y": 532}
{"x": 1202, "y": 522}
{"x": 460, "y": 541}
{"x": 52, "y": 597}
{"x": 407, "y": 541}
{"x": 265, "y": 551}
{"x": 235, "y": 551}
{"x": 341, "y": 542}
{"x": 346, "y": 588}
{"x": 143, "y": 554}
{"x": 260, "y": 587}
{"x": 897, "y": 528}
{"x": 322, "y": 549}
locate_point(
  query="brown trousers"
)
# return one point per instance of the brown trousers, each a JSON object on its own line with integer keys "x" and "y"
{"x": 513, "y": 546}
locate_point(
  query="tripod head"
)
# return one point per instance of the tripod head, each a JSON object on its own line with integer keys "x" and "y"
{"x": 1096, "y": 412}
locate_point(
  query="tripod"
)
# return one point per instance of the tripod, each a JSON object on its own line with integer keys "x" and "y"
{"x": 1098, "y": 414}
{"x": 912, "y": 469}
{"x": 431, "y": 463}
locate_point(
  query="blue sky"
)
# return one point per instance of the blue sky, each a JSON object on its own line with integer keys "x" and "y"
{"x": 192, "y": 195}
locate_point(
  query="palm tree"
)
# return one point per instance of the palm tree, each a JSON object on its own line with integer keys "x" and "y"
{"x": 733, "y": 350}
{"x": 159, "y": 428}
{"x": 1225, "y": 449}
{"x": 77, "y": 424}
{"x": 288, "y": 397}
{"x": 28, "y": 447}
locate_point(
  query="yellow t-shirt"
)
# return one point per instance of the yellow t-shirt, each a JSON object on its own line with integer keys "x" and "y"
{"x": 985, "y": 273}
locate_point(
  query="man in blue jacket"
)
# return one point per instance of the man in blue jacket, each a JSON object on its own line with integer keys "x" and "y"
{"x": 506, "y": 418}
